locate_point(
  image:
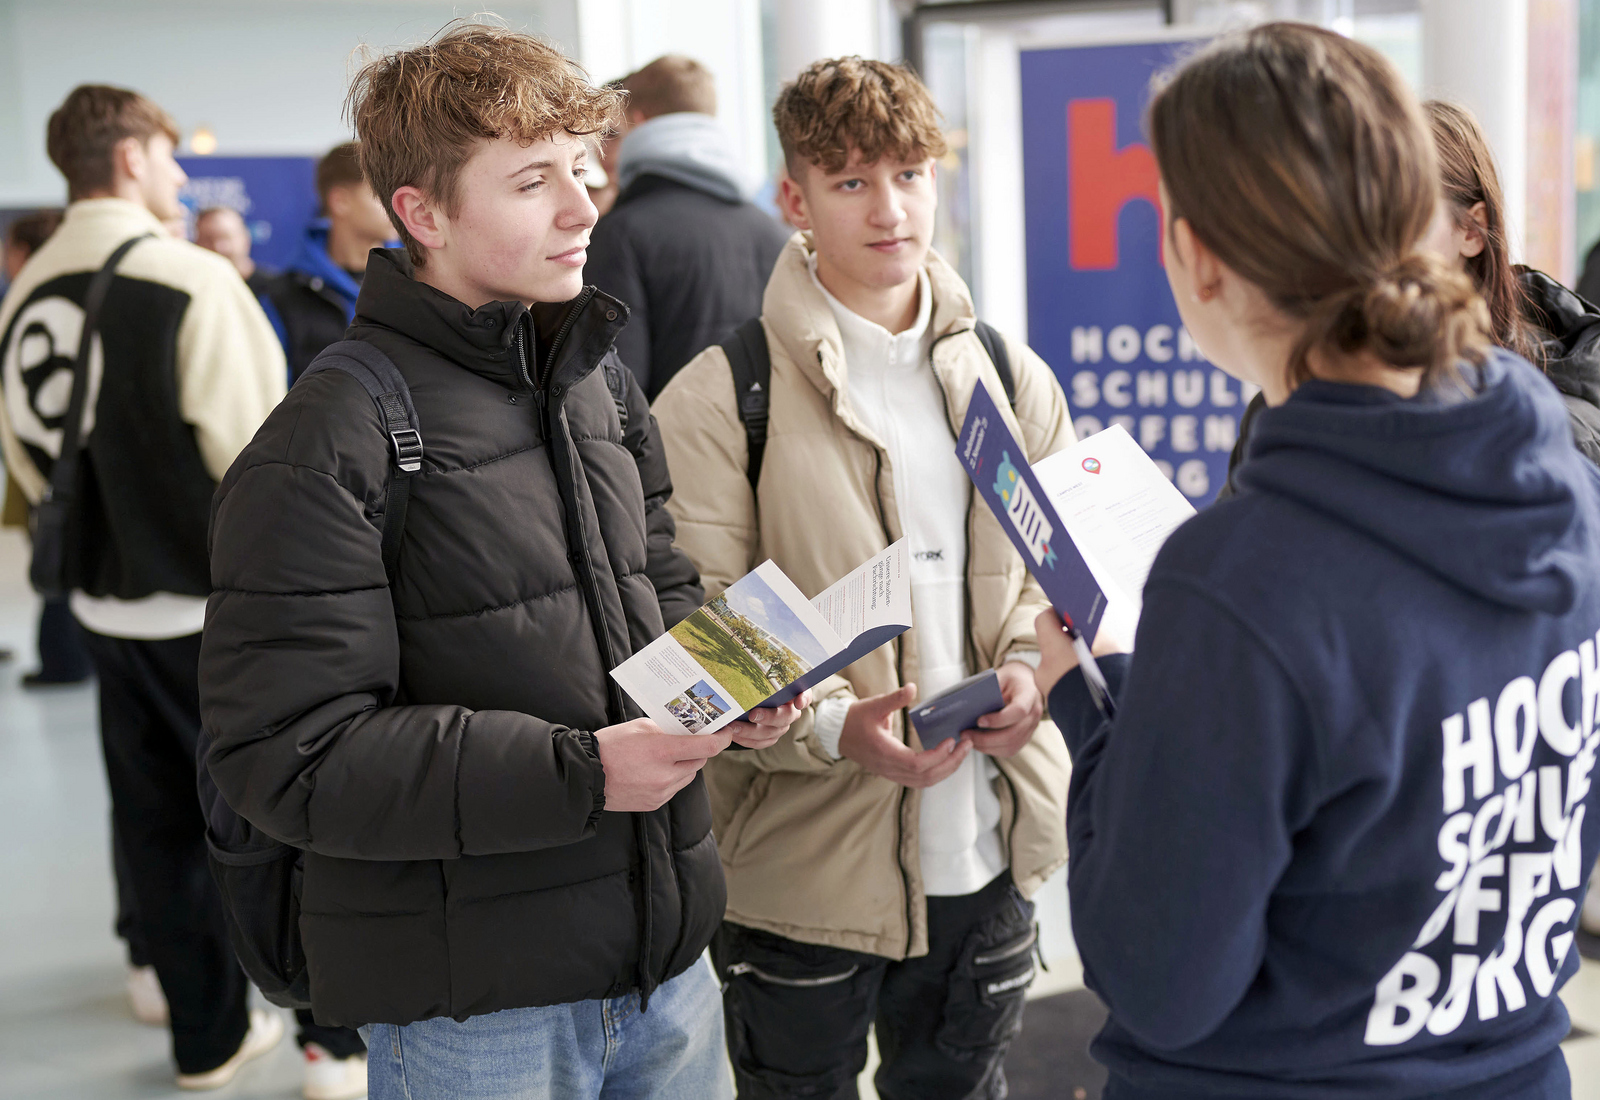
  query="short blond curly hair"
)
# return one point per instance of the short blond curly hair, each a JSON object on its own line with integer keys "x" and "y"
{"x": 844, "y": 103}
{"x": 418, "y": 113}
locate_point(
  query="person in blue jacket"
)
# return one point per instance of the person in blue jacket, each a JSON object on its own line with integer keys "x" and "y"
{"x": 1334, "y": 840}
{"x": 313, "y": 300}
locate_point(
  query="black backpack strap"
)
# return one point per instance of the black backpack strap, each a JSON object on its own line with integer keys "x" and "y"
{"x": 387, "y": 388}
{"x": 48, "y": 570}
{"x": 617, "y": 383}
{"x": 750, "y": 360}
{"x": 995, "y": 345}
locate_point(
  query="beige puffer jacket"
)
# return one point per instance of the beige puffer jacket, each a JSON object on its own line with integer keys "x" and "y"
{"x": 818, "y": 849}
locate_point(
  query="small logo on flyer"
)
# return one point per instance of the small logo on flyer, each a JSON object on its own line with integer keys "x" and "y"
{"x": 1024, "y": 512}
{"x": 1092, "y": 465}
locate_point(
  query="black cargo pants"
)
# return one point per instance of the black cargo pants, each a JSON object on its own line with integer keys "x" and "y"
{"x": 798, "y": 1013}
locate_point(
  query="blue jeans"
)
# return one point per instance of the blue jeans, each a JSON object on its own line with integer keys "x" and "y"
{"x": 592, "y": 1050}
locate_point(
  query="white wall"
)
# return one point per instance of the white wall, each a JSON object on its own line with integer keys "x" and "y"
{"x": 267, "y": 76}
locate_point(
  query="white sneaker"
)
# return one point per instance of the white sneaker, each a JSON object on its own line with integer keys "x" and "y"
{"x": 330, "y": 1078}
{"x": 266, "y": 1028}
{"x": 145, "y": 997}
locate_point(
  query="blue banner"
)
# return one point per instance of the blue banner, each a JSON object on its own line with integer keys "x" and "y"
{"x": 277, "y": 196}
{"x": 1099, "y": 309}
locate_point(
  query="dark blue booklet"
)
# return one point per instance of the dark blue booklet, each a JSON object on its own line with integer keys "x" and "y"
{"x": 957, "y": 708}
{"x": 999, "y": 468}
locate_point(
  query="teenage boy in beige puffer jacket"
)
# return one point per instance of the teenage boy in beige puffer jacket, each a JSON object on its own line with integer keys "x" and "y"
{"x": 869, "y": 880}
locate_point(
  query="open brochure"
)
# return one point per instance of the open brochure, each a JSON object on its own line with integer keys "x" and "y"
{"x": 761, "y": 643}
{"x": 1087, "y": 521}
{"x": 1118, "y": 508}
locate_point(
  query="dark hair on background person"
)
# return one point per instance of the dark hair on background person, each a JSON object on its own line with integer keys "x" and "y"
{"x": 1467, "y": 177}
{"x": 419, "y": 113}
{"x": 85, "y": 129}
{"x": 671, "y": 84}
{"x": 846, "y": 103}
{"x": 339, "y": 167}
{"x": 33, "y": 229}
{"x": 1324, "y": 218}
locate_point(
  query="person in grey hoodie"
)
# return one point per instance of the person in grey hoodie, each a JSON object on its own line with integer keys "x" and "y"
{"x": 682, "y": 247}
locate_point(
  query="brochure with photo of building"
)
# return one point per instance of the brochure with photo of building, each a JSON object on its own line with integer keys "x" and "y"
{"x": 761, "y": 643}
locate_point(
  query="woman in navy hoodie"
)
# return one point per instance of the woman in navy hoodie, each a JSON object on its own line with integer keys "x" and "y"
{"x": 1334, "y": 841}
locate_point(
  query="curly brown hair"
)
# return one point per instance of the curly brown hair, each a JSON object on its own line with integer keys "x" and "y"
{"x": 849, "y": 103}
{"x": 419, "y": 113}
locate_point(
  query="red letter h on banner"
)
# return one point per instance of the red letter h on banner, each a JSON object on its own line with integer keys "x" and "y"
{"x": 1101, "y": 180}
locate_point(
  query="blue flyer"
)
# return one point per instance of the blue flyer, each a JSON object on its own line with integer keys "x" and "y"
{"x": 998, "y": 466}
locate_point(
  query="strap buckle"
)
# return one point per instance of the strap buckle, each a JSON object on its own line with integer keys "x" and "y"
{"x": 407, "y": 449}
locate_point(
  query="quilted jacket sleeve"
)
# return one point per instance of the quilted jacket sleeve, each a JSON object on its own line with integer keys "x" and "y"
{"x": 299, "y": 669}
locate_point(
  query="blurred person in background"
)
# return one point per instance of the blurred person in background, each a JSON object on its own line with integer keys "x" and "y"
{"x": 681, "y": 246}
{"x": 314, "y": 300}
{"x": 221, "y": 229}
{"x": 62, "y": 657}
{"x": 189, "y": 369}
{"x": 1531, "y": 313}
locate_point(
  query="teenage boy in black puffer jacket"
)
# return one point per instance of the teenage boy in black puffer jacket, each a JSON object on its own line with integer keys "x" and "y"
{"x": 509, "y": 875}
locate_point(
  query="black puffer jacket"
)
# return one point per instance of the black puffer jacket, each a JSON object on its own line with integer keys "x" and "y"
{"x": 691, "y": 266}
{"x": 1568, "y": 329}
{"x": 431, "y": 752}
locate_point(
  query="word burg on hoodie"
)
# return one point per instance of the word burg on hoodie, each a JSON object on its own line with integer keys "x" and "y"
{"x": 1516, "y": 772}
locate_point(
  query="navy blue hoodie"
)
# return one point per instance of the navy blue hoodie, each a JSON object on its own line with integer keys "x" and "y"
{"x": 1336, "y": 840}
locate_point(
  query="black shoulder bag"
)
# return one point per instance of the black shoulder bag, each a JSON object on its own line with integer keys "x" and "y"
{"x": 48, "y": 573}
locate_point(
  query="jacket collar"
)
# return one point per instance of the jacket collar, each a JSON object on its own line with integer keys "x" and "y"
{"x": 485, "y": 340}
{"x": 311, "y": 259}
{"x": 798, "y": 316}
{"x": 111, "y": 215}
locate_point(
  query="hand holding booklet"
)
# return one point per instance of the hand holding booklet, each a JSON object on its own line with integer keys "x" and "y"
{"x": 761, "y": 643}
{"x": 1088, "y": 520}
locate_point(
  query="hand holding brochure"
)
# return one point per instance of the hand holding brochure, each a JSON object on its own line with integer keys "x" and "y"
{"x": 957, "y": 708}
{"x": 761, "y": 643}
{"x": 1088, "y": 520}
{"x": 1118, "y": 507}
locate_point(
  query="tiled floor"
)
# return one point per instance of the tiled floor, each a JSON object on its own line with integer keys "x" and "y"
{"x": 65, "y": 1030}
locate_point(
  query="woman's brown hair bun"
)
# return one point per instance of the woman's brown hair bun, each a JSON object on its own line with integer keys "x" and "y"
{"x": 1302, "y": 160}
{"x": 1420, "y": 313}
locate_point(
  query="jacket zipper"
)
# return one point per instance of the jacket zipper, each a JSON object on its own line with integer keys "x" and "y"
{"x": 583, "y": 566}
{"x": 738, "y": 969}
{"x": 970, "y": 643}
{"x": 1010, "y": 951}
{"x": 900, "y": 675}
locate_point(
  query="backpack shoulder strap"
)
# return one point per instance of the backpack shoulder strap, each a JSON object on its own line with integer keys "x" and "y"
{"x": 617, "y": 383}
{"x": 750, "y": 360}
{"x": 387, "y": 388}
{"x": 995, "y": 345}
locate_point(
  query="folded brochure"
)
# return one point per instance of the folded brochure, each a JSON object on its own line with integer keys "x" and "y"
{"x": 761, "y": 643}
{"x": 1087, "y": 521}
{"x": 1118, "y": 508}
{"x": 957, "y": 708}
